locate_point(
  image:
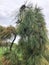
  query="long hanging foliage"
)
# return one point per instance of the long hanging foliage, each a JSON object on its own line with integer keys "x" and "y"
{"x": 33, "y": 34}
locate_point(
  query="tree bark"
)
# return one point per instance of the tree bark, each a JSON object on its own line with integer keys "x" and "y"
{"x": 12, "y": 43}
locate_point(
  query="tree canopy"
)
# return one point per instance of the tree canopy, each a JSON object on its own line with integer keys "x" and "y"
{"x": 32, "y": 29}
{"x": 7, "y": 33}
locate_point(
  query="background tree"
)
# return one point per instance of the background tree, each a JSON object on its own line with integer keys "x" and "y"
{"x": 1, "y": 30}
{"x": 8, "y": 33}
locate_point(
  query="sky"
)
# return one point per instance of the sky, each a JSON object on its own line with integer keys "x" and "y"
{"x": 8, "y": 7}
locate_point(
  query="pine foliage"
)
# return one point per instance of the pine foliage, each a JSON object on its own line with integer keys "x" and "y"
{"x": 32, "y": 29}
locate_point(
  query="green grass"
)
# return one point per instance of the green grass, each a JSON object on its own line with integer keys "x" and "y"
{"x": 2, "y": 50}
{"x": 1, "y": 53}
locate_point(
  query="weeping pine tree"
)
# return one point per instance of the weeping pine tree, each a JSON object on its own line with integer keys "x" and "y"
{"x": 32, "y": 29}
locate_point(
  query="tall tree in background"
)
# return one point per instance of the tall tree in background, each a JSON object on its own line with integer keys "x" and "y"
{"x": 7, "y": 33}
{"x": 32, "y": 29}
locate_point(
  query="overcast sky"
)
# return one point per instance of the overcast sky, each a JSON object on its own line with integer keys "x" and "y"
{"x": 8, "y": 6}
